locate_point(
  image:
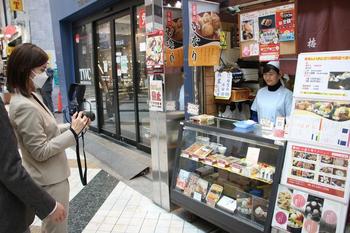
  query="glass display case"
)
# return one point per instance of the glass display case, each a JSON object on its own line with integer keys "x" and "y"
{"x": 226, "y": 176}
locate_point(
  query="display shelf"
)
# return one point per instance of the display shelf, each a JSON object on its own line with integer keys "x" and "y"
{"x": 236, "y": 185}
{"x": 227, "y": 169}
{"x": 226, "y": 221}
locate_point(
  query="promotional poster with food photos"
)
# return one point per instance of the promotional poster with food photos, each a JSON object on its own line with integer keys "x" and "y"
{"x": 318, "y": 171}
{"x": 324, "y": 76}
{"x": 205, "y": 28}
{"x": 300, "y": 212}
{"x": 323, "y": 123}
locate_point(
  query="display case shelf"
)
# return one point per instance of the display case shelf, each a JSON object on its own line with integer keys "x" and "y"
{"x": 254, "y": 197}
{"x": 216, "y": 216}
{"x": 227, "y": 169}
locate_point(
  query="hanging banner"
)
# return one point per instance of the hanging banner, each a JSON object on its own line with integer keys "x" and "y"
{"x": 156, "y": 93}
{"x": 320, "y": 171}
{"x": 142, "y": 18}
{"x": 154, "y": 51}
{"x": 324, "y": 75}
{"x": 174, "y": 53}
{"x": 300, "y": 212}
{"x": 286, "y": 25}
{"x": 205, "y": 25}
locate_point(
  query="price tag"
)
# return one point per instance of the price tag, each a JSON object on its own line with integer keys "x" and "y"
{"x": 193, "y": 109}
{"x": 197, "y": 196}
{"x": 253, "y": 155}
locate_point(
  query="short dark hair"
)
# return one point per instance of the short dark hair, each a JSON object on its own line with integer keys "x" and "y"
{"x": 22, "y": 61}
{"x": 268, "y": 68}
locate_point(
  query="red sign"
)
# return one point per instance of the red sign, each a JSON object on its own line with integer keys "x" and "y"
{"x": 269, "y": 52}
{"x": 285, "y": 24}
{"x": 142, "y": 17}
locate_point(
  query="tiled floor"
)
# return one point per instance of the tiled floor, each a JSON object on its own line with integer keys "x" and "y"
{"x": 127, "y": 211}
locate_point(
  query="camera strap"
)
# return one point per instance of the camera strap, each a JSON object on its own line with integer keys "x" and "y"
{"x": 83, "y": 177}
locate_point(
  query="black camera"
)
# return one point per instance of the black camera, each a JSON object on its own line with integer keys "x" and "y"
{"x": 76, "y": 101}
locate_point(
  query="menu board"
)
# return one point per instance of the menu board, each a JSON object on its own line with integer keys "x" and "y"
{"x": 316, "y": 170}
{"x": 174, "y": 53}
{"x": 325, "y": 123}
{"x": 205, "y": 26}
{"x": 323, "y": 75}
{"x": 297, "y": 211}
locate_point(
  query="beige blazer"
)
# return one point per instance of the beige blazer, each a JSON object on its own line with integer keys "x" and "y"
{"x": 41, "y": 139}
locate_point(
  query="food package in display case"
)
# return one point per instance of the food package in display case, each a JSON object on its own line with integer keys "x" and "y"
{"x": 202, "y": 152}
{"x": 192, "y": 149}
{"x": 201, "y": 189}
{"x": 203, "y": 119}
{"x": 182, "y": 179}
{"x": 214, "y": 194}
{"x": 244, "y": 204}
{"x": 227, "y": 204}
{"x": 297, "y": 211}
{"x": 260, "y": 209}
{"x": 192, "y": 183}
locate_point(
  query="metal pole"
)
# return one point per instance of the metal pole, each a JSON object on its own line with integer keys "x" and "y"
{"x": 5, "y": 12}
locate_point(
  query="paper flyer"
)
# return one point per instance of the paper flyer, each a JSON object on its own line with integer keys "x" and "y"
{"x": 249, "y": 26}
{"x": 156, "y": 94}
{"x": 285, "y": 23}
{"x": 323, "y": 75}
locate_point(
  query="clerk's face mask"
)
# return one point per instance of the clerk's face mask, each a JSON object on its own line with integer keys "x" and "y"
{"x": 39, "y": 79}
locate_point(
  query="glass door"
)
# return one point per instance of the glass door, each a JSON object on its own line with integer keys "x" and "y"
{"x": 125, "y": 76}
{"x": 142, "y": 81}
{"x": 105, "y": 77}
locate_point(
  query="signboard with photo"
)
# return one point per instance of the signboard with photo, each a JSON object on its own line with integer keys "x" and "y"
{"x": 316, "y": 170}
{"x": 325, "y": 123}
{"x": 174, "y": 53}
{"x": 297, "y": 211}
{"x": 324, "y": 75}
{"x": 205, "y": 26}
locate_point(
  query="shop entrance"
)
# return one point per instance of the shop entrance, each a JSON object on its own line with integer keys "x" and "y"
{"x": 122, "y": 91}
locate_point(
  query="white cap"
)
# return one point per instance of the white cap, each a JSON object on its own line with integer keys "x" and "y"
{"x": 274, "y": 63}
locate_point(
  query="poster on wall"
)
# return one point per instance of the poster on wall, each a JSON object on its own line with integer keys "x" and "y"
{"x": 156, "y": 93}
{"x": 285, "y": 22}
{"x": 174, "y": 54}
{"x": 324, "y": 123}
{"x": 262, "y": 31}
{"x": 249, "y": 26}
{"x": 324, "y": 75}
{"x": 299, "y": 212}
{"x": 204, "y": 46}
{"x": 317, "y": 170}
{"x": 268, "y": 38}
{"x": 154, "y": 50}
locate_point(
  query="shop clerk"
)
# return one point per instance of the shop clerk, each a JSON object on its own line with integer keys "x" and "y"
{"x": 274, "y": 100}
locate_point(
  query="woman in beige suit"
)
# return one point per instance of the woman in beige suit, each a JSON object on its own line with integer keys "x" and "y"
{"x": 41, "y": 139}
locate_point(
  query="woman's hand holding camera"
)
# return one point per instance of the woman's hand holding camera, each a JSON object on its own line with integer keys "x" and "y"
{"x": 79, "y": 122}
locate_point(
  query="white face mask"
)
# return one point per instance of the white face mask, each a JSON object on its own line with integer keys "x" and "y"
{"x": 39, "y": 79}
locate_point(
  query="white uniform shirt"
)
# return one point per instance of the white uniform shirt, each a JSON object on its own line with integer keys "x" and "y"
{"x": 271, "y": 104}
